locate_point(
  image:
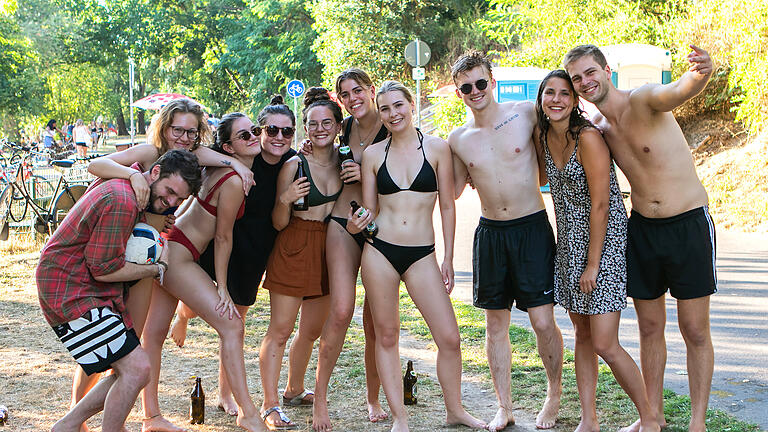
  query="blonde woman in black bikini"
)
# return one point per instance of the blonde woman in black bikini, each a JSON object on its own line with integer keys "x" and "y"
{"x": 404, "y": 248}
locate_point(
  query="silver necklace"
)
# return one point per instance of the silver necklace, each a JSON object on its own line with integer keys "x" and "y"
{"x": 359, "y": 128}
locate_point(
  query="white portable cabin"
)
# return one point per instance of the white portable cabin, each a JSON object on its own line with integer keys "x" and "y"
{"x": 633, "y": 65}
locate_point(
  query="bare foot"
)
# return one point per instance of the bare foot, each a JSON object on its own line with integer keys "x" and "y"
{"x": 400, "y": 425}
{"x": 159, "y": 424}
{"x": 501, "y": 420}
{"x": 548, "y": 415}
{"x": 179, "y": 330}
{"x": 588, "y": 426}
{"x": 227, "y": 404}
{"x": 464, "y": 418}
{"x": 321, "y": 422}
{"x": 376, "y": 413}
{"x": 251, "y": 424}
{"x": 637, "y": 427}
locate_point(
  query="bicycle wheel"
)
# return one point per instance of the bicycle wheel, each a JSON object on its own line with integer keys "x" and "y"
{"x": 64, "y": 202}
{"x": 19, "y": 204}
{"x": 5, "y": 208}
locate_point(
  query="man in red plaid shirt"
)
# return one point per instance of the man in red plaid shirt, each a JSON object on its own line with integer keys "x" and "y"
{"x": 80, "y": 283}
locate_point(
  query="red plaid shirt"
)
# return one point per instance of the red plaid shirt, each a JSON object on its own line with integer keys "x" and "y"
{"x": 89, "y": 242}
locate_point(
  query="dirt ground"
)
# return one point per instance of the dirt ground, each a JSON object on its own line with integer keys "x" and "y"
{"x": 36, "y": 371}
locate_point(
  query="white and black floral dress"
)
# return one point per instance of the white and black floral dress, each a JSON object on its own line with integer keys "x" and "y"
{"x": 570, "y": 194}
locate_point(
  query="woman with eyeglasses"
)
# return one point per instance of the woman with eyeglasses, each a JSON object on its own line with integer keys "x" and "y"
{"x": 297, "y": 277}
{"x": 361, "y": 129}
{"x": 402, "y": 180}
{"x": 590, "y": 263}
{"x": 253, "y": 234}
{"x": 208, "y": 216}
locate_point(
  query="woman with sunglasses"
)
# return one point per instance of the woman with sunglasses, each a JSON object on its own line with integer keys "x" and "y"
{"x": 253, "y": 234}
{"x": 361, "y": 129}
{"x": 590, "y": 262}
{"x": 211, "y": 217}
{"x": 404, "y": 248}
{"x": 297, "y": 277}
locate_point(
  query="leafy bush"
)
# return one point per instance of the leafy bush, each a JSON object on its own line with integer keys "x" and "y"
{"x": 450, "y": 113}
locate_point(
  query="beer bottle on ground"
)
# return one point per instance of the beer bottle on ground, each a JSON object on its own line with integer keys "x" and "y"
{"x": 197, "y": 409}
{"x": 372, "y": 229}
{"x": 301, "y": 203}
{"x": 345, "y": 154}
{"x": 3, "y": 415}
{"x": 409, "y": 385}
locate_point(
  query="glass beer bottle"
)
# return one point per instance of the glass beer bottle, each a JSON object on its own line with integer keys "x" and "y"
{"x": 372, "y": 229}
{"x": 197, "y": 408}
{"x": 409, "y": 385}
{"x": 301, "y": 203}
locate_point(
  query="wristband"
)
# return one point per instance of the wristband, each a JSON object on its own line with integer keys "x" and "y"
{"x": 162, "y": 267}
{"x": 135, "y": 172}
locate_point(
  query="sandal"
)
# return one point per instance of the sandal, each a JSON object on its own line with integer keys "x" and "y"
{"x": 289, "y": 425}
{"x": 305, "y": 398}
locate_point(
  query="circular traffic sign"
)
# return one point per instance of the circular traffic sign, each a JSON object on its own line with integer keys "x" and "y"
{"x": 295, "y": 88}
{"x": 424, "y": 54}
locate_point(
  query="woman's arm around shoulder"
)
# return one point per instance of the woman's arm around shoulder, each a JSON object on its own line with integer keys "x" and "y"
{"x": 118, "y": 165}
{"x": 212, "y": 158}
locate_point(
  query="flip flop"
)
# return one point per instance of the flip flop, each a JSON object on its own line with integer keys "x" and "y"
{"x": 300, "y": 399}
{"x": 289, "y": 425}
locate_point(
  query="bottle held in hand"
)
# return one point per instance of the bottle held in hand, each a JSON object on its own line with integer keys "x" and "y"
{"x": 372, "y": 229}
{"x": 345, "y": 154}
{"x": 301, "y": 203}
{"x": 409, "y": 385}
{"x": 197, "y": 408}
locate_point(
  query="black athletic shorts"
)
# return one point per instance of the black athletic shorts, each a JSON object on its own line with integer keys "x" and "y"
{"x": 675, "y": 253}
{"x": 513, "y": 263}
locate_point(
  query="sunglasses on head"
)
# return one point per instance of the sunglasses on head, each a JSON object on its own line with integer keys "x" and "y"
{"x": 273, "y": 130}
{"x": 481, "y": 84}
{"x": 246, "y": 135}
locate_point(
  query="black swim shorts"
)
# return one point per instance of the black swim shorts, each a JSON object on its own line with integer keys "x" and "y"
{"x": 675, "y": 253}
{"x": 513, "y": 263}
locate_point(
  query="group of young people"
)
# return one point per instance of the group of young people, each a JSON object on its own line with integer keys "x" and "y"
{"x": 224, "y": 239}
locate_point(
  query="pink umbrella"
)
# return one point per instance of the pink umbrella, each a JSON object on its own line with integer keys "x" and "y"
{"x": 159, "y": 100}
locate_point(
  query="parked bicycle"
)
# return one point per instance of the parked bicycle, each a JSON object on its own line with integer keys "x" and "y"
{"x": 36, "y": 193}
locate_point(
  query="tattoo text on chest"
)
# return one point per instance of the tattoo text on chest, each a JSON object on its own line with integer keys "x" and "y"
{"x": 499, "y": 126}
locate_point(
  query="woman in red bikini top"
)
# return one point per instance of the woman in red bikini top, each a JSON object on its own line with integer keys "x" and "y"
{"x": 202, "y": 220}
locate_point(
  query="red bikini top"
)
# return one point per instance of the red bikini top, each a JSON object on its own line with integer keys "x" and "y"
{"x": 211, "y": 208}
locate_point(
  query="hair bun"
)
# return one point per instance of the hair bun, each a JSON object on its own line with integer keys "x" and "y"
{"x": 277, "y": 100}
{"x": 315, "y": 94}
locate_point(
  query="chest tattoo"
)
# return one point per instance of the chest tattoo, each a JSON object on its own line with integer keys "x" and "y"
{"x": 500, "y": 125}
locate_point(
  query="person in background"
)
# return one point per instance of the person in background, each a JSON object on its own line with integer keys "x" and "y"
{"x": 81, "y": 135}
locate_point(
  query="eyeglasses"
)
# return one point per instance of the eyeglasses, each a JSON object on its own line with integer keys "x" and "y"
{"x": 327, "y": 124}
{"x": 246, "y": 135}
{"x": 273, "y": 130}
{"x": 481, "y": 84}
{"x": 178, "y": 132}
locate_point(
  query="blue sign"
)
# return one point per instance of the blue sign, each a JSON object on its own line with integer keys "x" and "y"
{"x": 295, "y": 88}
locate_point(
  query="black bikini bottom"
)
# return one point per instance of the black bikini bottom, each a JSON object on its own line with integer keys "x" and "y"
{"x": 358, "y": 237}
{"x": 401, "y": 257}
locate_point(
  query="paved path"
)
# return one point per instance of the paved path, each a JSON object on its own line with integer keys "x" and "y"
{"x": 739, "y": 316}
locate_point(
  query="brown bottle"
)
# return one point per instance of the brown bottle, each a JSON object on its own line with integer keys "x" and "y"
{"x": 301, "y": 203}
{"x": 197, "y": 409}
{"x": 372, "y": 229}
{"x": 409, "y": 385}
{"x": 3, "y": 415}
{"x": 345, "y": 154}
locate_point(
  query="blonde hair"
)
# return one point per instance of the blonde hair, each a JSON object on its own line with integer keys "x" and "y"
{"x": 162, "y": 120}
{"x": 389, "y": 86}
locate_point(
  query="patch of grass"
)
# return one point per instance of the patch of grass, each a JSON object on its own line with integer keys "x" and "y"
{"x": 615, "y": 409}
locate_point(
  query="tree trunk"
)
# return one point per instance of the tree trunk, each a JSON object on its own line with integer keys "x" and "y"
{"x": 120, "y": 118}
{"x": 142, "y": 130}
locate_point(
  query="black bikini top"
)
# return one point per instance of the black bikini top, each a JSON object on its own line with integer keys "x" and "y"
{"x": 425, "y": 181}
{"x": 315, "y": 197}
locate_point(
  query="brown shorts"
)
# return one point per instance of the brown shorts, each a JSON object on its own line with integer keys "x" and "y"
{"x": 296, "y": 266}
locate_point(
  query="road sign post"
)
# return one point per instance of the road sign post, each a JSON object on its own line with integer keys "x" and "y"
{"x": 295, "y": 89}
{"x": 417, "y": 54}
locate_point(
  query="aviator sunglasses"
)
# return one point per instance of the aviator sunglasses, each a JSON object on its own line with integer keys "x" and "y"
{"x": 273, "y": 130}
{"x": 481, "y": 85}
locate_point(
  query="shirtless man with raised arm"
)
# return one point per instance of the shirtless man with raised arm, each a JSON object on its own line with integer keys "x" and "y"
{"x": 671, "y": 237}
{"x": 514, "y": 244}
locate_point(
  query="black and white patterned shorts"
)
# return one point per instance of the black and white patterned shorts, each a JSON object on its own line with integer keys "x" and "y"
{"x": 97, "y": 339}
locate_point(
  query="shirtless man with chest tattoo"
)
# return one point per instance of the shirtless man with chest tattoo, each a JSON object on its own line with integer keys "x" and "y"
{"x": 671, "y": 237}
{"x": 513, "y": 256}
